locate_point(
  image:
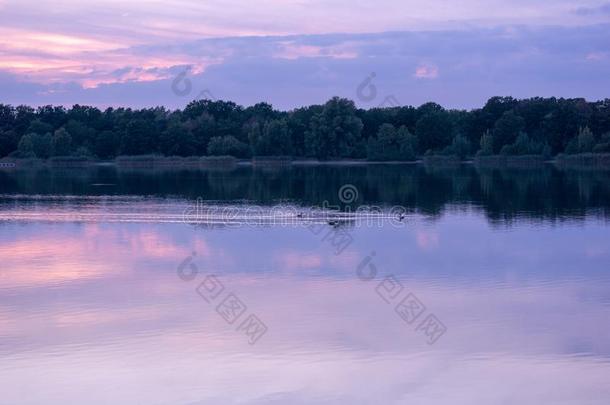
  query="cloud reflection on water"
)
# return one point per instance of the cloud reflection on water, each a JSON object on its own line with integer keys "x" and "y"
{"x": 105, "y": 298}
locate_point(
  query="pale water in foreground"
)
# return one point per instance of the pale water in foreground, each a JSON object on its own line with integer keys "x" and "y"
{"x": 494, "y": 289}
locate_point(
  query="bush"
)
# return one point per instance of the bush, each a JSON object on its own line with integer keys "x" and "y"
{"x": 459, "y": 147}
{"x": 507, "y": 150}
{"x": 62, "y": 142}
{"x": 36, "y": 145}
{"x": 603, "y": 145}
{"x": 523, "y": 145}
{"x": 391, "y": 144}
{"x": 274, "y": 139}
{"x": 547, "y": 152}
{"x": 572, "y": 147}
{"x": 82, "y": 151}
{"x": 227, "y": 145}
{"x": 487, "y": 144}
{"x": 584, "y": 142}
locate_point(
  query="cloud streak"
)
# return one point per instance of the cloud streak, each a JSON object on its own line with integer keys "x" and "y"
{"x": 288, "y": 52}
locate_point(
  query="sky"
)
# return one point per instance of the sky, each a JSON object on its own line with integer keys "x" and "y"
{"x": 142, "y": 53}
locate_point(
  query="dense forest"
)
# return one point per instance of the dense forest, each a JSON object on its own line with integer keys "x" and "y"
{"x": 336, "y": 129}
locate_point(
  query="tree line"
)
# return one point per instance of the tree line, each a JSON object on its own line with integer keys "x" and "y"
{"x": 334, "y": 130}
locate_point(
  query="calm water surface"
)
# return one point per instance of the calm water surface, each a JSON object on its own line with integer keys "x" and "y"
{"x": 101, "y": 299}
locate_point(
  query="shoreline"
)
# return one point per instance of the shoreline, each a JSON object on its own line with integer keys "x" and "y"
{"x": 595, "y": 161}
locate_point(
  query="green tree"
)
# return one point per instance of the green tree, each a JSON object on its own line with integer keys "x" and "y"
{"x": 36, "y": 145}
{"x": 334, "y": 132}
{"x": 547, "y": 152}
{"x": 138, "y": 138}
{"x": 298, "y": 123}
{"x": 392, "y": 144}
{"x": 561, "y": 123}
{"x": 227, "y": 145}
{"x": 176, "y": 140}
{"x": 208, "y": 118}
{"x": 81, "y": 134}
{"x": 603, "y": 146}
{"x": 506, "y": 129}
{"x": 586, "y": 140}
{"x": 24, "y": 115}
{"x": 202, "y": 128}
{"x": 62, "y": 143}
{"x": 495, "y": 108}
{"x": 487, "y": 144}
{"x": 106, "y": 144}
{"x": 54, "y": 116}
{"x": 523, "y": 145}
{"x": 408, "y": 144}
{"x": 374, "y": 150}
{"x": 43, "y": 145}
{"x": 429, "y": 108}
{"x": 572, "y": 146}
{"x": 259, "y": 144}
{"x": 8, "y": 142}
{"x": 39, "y": 127}
{"x": 433, "y": 130}
{"x": 26, "y": 146}
{"x": 460, "y": 147}
{"x": 273, "y": 139}
{"x": 83, "y": 151}
{"x": 279, "y": 136}
{"x": 7, "y": 117}
{"x": 385, "y": 146}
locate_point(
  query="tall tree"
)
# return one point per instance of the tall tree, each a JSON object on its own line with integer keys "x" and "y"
{"x": 506, "y": 129}
{"x": 433, "y": 130}
{"x": 334, "y": 132}
{"x": 8, "y": 142}
{"x": 62, "y": 143}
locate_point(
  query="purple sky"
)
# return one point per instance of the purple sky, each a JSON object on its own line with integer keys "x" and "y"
{"x": 293, "y": 53}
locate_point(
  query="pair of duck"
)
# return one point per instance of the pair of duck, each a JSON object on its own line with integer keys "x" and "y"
{"x": 336, "y": 223}
{"x": 331, "y": 222}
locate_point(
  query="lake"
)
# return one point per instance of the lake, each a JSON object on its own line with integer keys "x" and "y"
{"x": 353, "y": 284}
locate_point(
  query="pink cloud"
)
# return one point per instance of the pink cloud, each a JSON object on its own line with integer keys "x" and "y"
{"x": 426, "y": 72}
{"x": 596, "y": 56}
{"x": 45, "y": 57}
{"x": 290, "y": 50}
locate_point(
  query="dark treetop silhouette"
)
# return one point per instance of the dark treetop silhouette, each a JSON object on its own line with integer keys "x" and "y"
{"x": 337, "y": 129}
